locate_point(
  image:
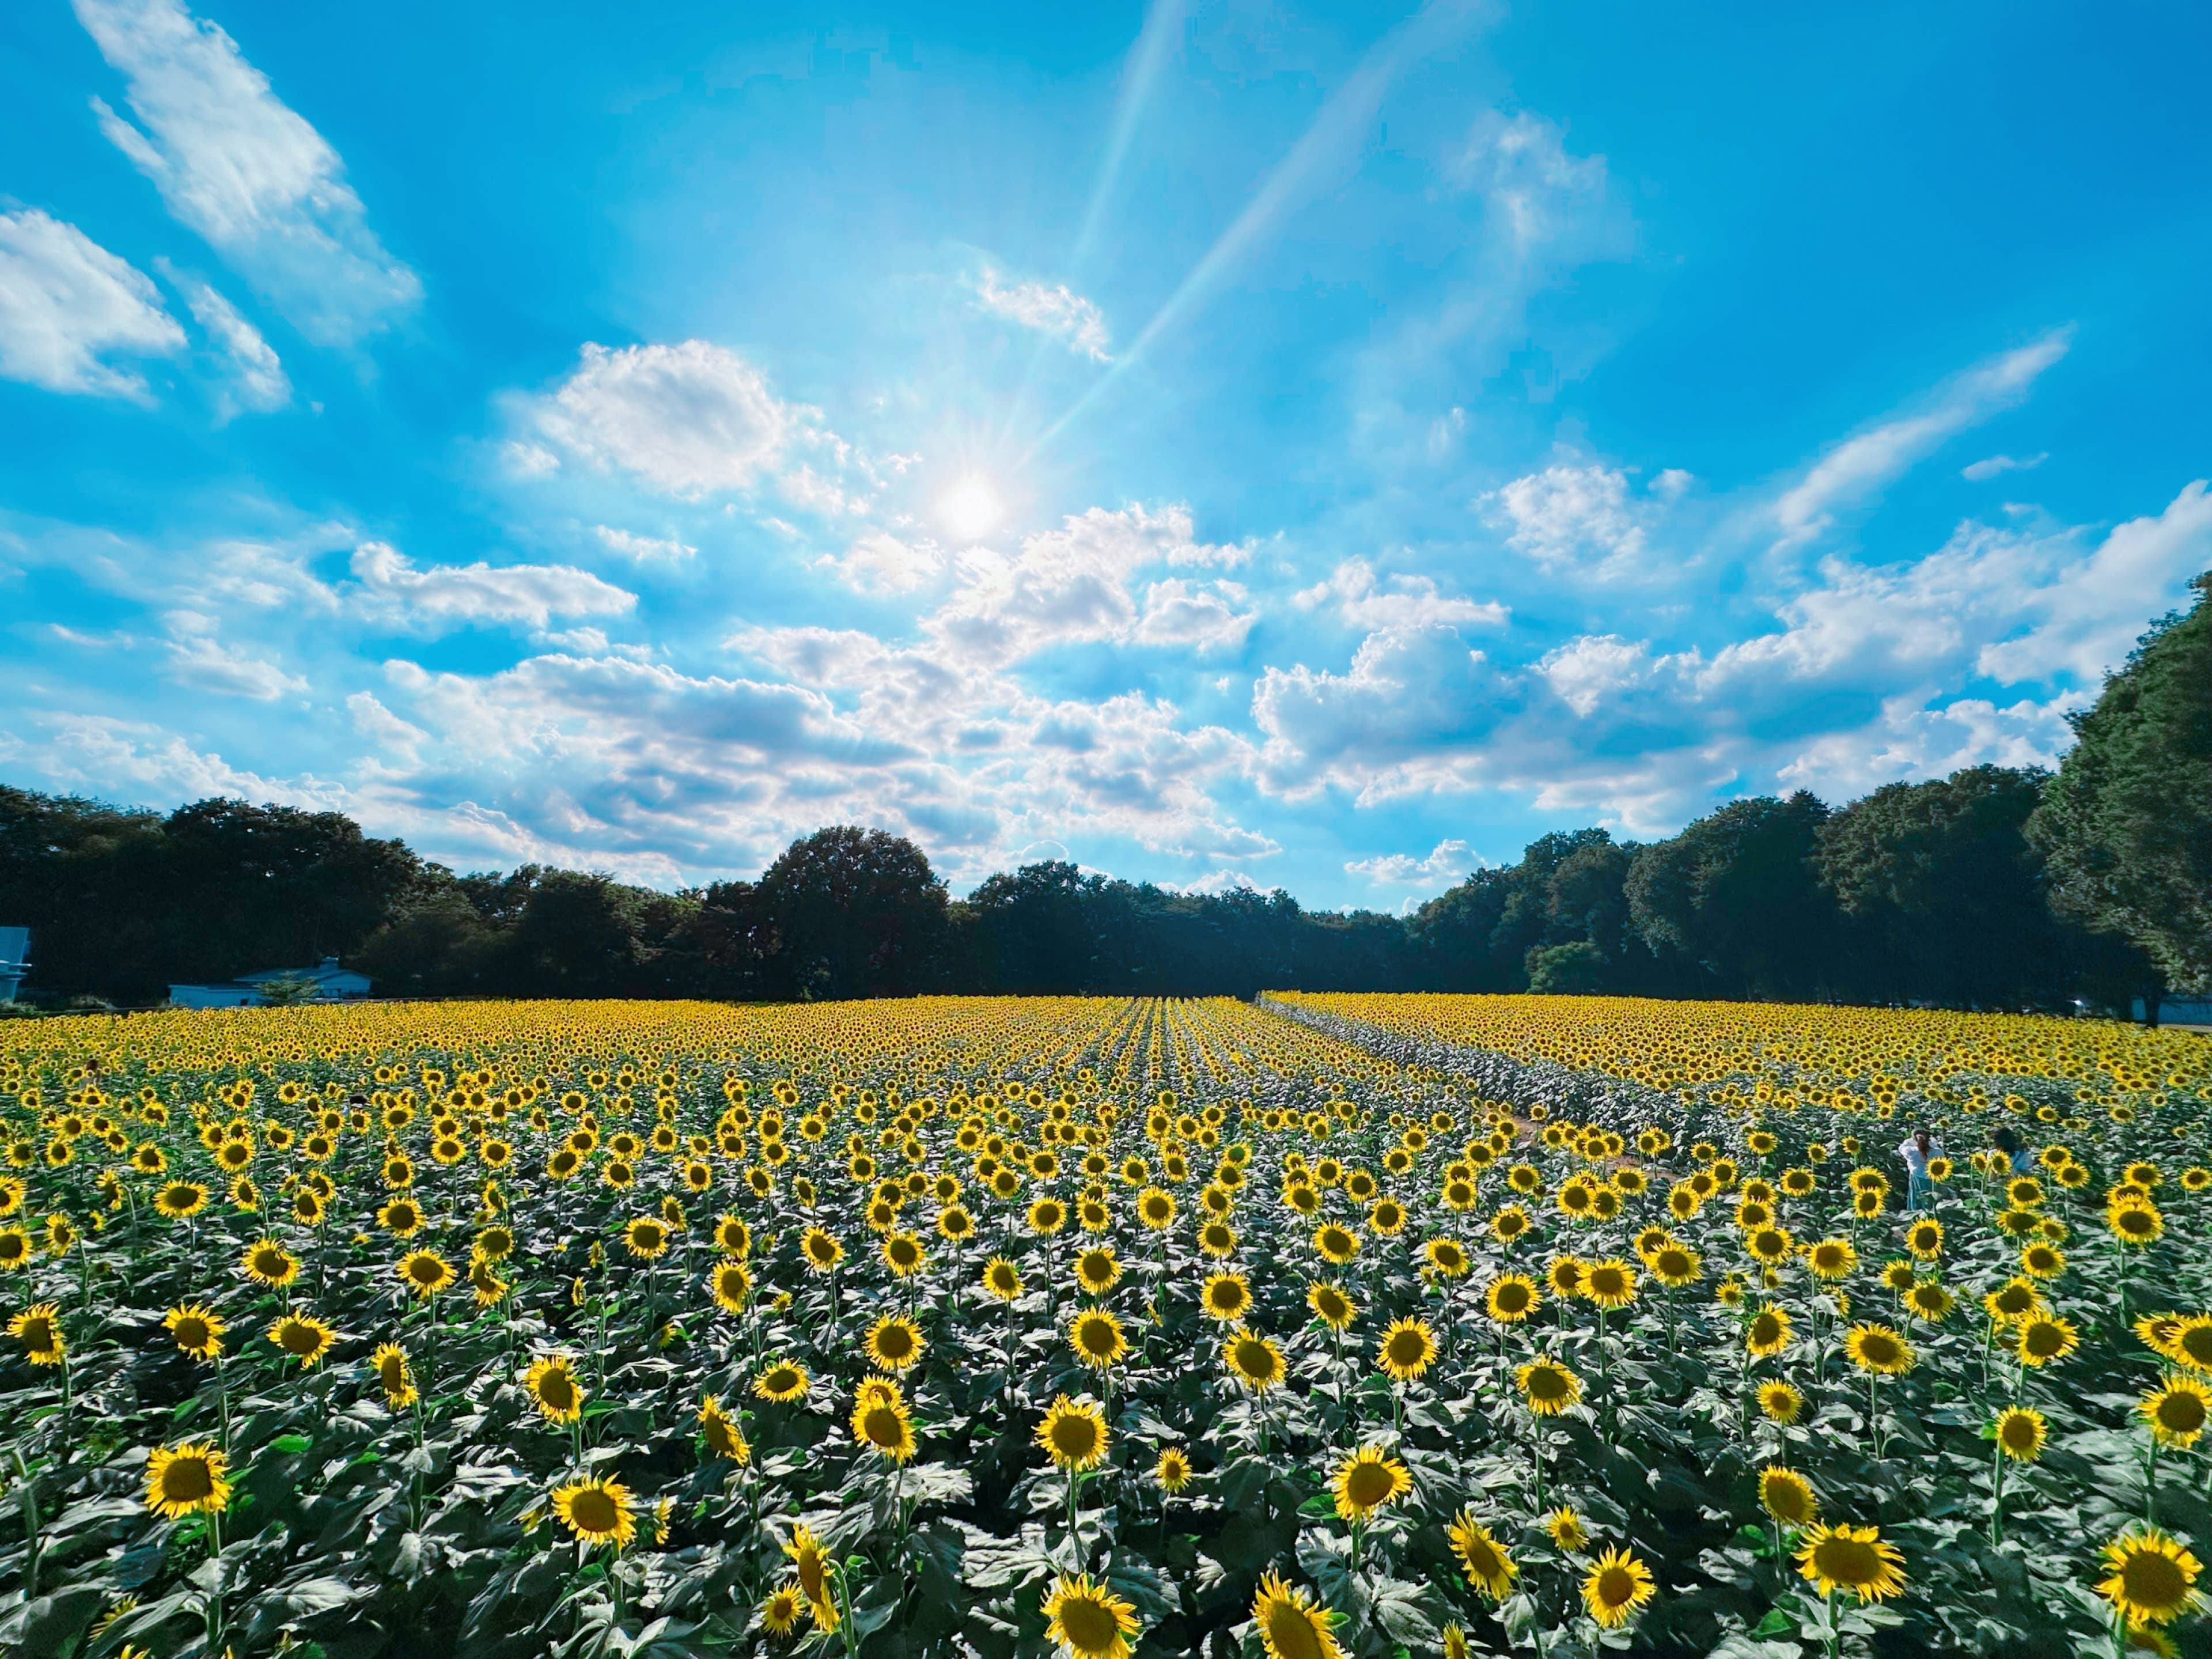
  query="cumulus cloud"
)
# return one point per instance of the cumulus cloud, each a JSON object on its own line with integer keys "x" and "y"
{"x": 67, "y": 304}
{"x": 393, "y": 591}
{"x": 1053, "y": 310}
{"x": 1201, "y": 616}
{"x": 880, "y": 562}
{"x": 246, "y": 172}
{"x": 1910, "y": 740}
{"x": 687, "y": 420}
{"x": 1584, "y": 519}
{"x": 255, "y": 378}
{"x": 641, "y": 549}
{"x": 1857, "y": 469}
{"x": 1445, "y": 863}
{"x": 1070, "y": 584}
{"x": 1361, "y": 600}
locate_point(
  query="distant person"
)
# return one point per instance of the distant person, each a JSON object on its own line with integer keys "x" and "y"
{"x": 1916, "y": 1149}
{"x": 2007, "y": 1141}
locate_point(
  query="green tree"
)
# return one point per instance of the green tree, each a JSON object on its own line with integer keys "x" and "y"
{"x": 1736, "y": 894}
{"x": 851, "y": 913}
{"x": 2126, "y": 825}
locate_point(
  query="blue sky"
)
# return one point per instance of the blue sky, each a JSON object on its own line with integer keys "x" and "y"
{"x": 1316, "y": 447}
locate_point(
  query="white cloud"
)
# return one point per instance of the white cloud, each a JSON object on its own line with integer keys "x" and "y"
{"x": 393, "y": 591}
{"x": 880, "y": 562}
{"x": 392, "y": 735}
{"x": 257, "y": 378}
{"x": 196, "y": 657}
{"x": 1589, "y": 671}
{"x": 1446, "y": 864}
{"x": 1053, "y": 310}
{"x": 688, "y": 420}
{"x": 528, "y": 460}
{"x": 1993, "y": 465}
{"x": 1067, "y": 585}
{"x": 1858, "y": 467}
{"x": 1544, "y": 196}
{"x": 248, "y": 173}
{"x": 1201, "y": 616}
{"x": 1579, "y": 518}
{"x": 641, "y": 549}
{"x": 66, "y": 303}
{"x": 1363, "y": 601}
{"x": 1912, "y": 741}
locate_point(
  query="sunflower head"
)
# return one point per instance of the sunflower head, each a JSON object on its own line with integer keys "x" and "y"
{"x": 197, "y": 1330}
{"x": 188, "y": 1479}
{"x": 598, "y": 1512}
{"x": 1787, "y": 1497}
{"x": 2151, "y": 1578}
{"x": 1367, "y": 1480}
{"x": 1088, "y": 1620}
{"x": 553, "y": 1387}
{"x": 1332, "y": 1304}
{"x": 1482, "y": 1558}
{"x": 2177, "y": 1411}
{"x": 1173, "y": 1471}
{"x": 2019, "y": 1431}
{"x": 303, "y": 1337}
{"x": 1406, "y": 1350}
{"x": 1254, "y": 1360}
{"x": 1617, "y": 1583}
{"x": 39, "y": 1329}
{"x": 1850, "y": 1558}
{"x": 1548, "y": 1387}
{"x": 1074, "y": 1435}
{"x": 1226, "y": 1298}
{"x": 893, "y": 1343}
{"x": 1290, "y": 1625}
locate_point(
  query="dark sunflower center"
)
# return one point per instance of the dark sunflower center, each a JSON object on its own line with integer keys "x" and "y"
{"x": 187, "y": 1480}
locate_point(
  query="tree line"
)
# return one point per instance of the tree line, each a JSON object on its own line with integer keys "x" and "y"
{"x": 1996, "y": 887}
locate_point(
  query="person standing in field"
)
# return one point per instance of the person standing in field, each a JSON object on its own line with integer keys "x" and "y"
{"x": 1916, "y": 1149}
{"x": 2007, "y": 1141}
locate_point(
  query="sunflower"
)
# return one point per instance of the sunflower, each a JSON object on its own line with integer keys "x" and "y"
{"x": 1617, "y": 1584}
{"x": 645, "y": 1238}
{"x": 1787, "y": 1497}
{"x": 732, "y": 1283}
{"x": 1047, "y": 1216}
{"x": 268, "y": 1262}
{"x": 1925, "y": 1239}
{"x": 893, "y": 1343}
{"x": 1095, "y": 1335}
{"x": 599, "y": 1511}
{"x": 424, "y": 1272}
{"x": 822, "y": 1250}
{"x": 1879, "y": 1349}
{"x": 179, "y": 1199}
{"x": 1851, "y": 1558}
{"x": 1337, "y": 1244}
{"x": 1512, "y": 1297}
{"x": 1780, "y": 1402}
{"x": 1173, "y": 1471}
{"x": 810, "y": 1567}
{"x": 1509, "y": 1223}
{"x": 2042, "y": 1260}
{"x": 782, "y": 1611}
{"x": 1074, "y": 1435}
{"x": 389, "y": 1362}
{"x": 1482, "y": 1558}
{"x": 1366, "y": 1480}
{"x": 1096, "y": 1269}
{"x": 733, "y": 1237}
{"x": 2136, "y": 1223}
{"x": 1406, "y": 1350}
{"x": 1001, "y": 1279}
{"x": 2152, "y": 1579}
{"x": 781, "y": 1381}
{"x": 1566, "y": 1530}
{"x": 552, "y": 1385}
{"x": 1769, "y": 1333}
{"x": 1565, "y": 1276}
{"x": 198, "y": 1330}
{"x": 1610, "y": 1283}
{"x": 39, "y": 1329}
{"x": 186, "y": 1480}
{"x": 1218, "y": 1239}
{"x": 2192, "y": 1343}
{"x": 1332, "y": 1304}
{"x": 1832, "y": 1258}
{"x": 2019, "y": 1431}
{"x": 2177, "y": 1411}
{"x": 402, "y": 1218}
{"x": 1930, "y": 1301}
{"x": 1674, "y": 1266}
{"x": 723, "y": 1436}
{"x": 1254, "y": 1360}
{"x": 1548, "y": 1387}
{"x": 1290, "y": 1625}
{"x": 2045, "y": 1337}
{"x": 303, "y": 1336}
{"x": 2014, "y": 1300}
{"x": 1089, "y": 1619}
{"x": 880, "y": 1420}
{"x": 1227, "y": 1297}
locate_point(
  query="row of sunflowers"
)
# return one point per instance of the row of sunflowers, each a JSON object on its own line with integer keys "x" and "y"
{"x": 1364, "y": 1325}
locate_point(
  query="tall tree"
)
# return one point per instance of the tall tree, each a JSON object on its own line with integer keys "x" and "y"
{"x": 2126, "y": 825}
{"x": 1942, "y": 896}
{"x": 855, "y": 912}
{"x": 1737, "y": 894}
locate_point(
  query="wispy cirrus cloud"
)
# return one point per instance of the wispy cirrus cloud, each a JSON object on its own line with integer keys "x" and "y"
{"x": 1052, "y": 309}
{"x": 68, "y": 306}
{"x": 237, "y": 165}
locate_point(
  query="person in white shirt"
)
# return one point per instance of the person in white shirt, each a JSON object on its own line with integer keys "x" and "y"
{"x": 1917, "y": 1148}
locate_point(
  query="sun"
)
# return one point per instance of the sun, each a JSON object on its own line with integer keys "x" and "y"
{"x": 971, "y": 509}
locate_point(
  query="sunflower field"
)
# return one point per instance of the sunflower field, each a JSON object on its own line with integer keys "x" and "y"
{"x": 1326, "y": 1326}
